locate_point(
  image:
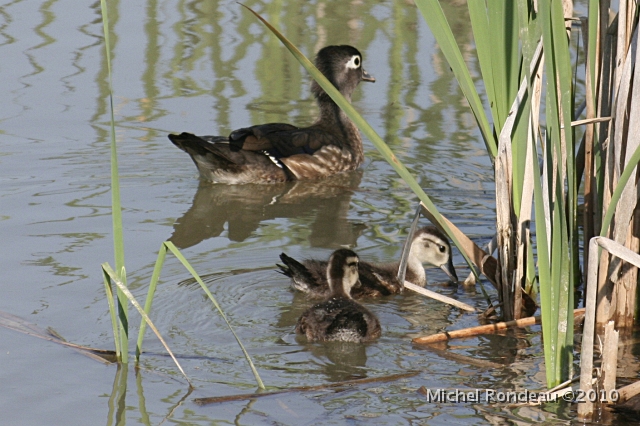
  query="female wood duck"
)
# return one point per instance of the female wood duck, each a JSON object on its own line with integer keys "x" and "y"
{"x": 340, "y": 318}
{"x": 429, "y": 245}
{"x": 279, "y": 152}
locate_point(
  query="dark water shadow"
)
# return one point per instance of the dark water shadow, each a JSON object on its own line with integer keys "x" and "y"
{"x": 242, "y": 208}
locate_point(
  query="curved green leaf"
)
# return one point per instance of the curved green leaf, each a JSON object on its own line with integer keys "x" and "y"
{"x": 366, "y": 128}
{"x": 434, "y": 16}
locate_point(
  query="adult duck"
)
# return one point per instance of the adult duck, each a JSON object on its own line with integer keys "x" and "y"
{"x": 340, "y": 318}
{"x": 429, "y": 245}
{"x": 279, "y": 152}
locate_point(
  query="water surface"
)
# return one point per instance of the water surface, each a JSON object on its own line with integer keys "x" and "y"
{"x": 208, "y": 68}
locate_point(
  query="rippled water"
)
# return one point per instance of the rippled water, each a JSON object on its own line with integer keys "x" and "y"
{"x": 209, "y": 67}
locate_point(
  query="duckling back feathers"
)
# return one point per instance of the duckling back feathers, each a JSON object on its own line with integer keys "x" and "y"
{"x": 340, "y": 318}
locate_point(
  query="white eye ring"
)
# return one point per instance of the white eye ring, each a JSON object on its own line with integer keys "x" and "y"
{"x": 354, "y": 62}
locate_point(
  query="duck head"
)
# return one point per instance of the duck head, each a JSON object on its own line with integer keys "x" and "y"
{"x": 431, "y": 246}
{"x": 342, "y": 65}
{"x": 342, "y": 272}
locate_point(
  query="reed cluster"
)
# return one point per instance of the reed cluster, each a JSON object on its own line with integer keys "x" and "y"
{"x": 553, "y": 141}
{"x": 524, "y": 53}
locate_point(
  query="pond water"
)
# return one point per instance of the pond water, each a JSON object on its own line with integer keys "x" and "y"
{"x": 209, "y": 67}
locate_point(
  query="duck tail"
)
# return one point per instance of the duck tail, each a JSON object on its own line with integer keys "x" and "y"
{"x": 299, "y": 274}
{"x": 207, "y": 152}
{"x": 190, "y": 142}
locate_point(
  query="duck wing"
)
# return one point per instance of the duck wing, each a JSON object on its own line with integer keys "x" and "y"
{"x": 216, "y": 162}
{"x": 259, "y": 137}
{"x": 375, "y": 281}
{"x": 281, "y": 139}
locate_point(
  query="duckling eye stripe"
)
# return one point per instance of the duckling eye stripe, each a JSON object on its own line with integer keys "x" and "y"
{"x": 354, "y": 62}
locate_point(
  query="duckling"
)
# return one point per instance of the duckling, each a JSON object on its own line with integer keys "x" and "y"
{"x": 278, "y": 152}
{"x": 340, "y": 318}
{"x": 429, "y": 245}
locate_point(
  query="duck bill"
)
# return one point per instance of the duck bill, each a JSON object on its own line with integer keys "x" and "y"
{"x": 368, "y": 77}
{"x": 450, "y": 270}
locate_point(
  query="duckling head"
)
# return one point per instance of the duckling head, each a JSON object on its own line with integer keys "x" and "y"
{"x": 431, "y": 246}
{"x": 342, "y": 65}
{"x": 342, "y": 272}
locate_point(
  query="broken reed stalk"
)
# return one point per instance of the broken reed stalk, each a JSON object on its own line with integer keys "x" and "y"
{"x": 107, "y": 269}
{"x": 483, "y": 329}
{"x": 18, "y": 324}
{"x": 463, "y": 359}
{"x": 628, "y": 392}
{"x": 586, "y": 409}
{"x": 406, "y": 248}
{"x": 348, "y": 383}
{"x": 439, "y": 297}
{"x": 609, "y": 358}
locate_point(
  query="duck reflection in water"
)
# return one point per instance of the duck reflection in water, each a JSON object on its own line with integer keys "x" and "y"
{"x": 324, "y": 205}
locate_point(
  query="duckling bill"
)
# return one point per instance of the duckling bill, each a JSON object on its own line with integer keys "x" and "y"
{"x": 340, "y": 318}
{"x": 279, "y": 152}
{"x": 429, "y": 245}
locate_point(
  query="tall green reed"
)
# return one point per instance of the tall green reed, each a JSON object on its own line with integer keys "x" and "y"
{"x": 119, "y": 314}
{"x": 366, "y": 128}
{"x": 506, "y": 33}
{"x": 122, "y": 336}
{"x": 169, "y": 246}
{"x": 508, "y": 65}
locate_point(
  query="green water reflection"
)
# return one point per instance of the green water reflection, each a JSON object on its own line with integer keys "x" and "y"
{"x": 209, "y": 67}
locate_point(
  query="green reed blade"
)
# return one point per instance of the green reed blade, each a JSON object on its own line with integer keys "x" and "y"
{"x": 367, "y": 130}
{"x": 434, "y": 16}
{"x": 112, "y": 312}
{"x": 629, "y": 171}
{"x": 569, "y": 192}
{"x": 169, "y": 245}
{"x": 557, "y": 294}
{"x": 107, "y": 270}
{"x": 542, "y": 246}
{"x": 116, "y": 209}
{"x": 406, "y": 248}
{"x": 149, "y": 300}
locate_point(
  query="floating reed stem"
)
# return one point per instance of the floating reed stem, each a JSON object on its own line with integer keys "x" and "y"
{"x": 483, "y": 329}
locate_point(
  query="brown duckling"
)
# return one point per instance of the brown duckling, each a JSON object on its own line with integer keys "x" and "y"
{"x": 429, "y": 245}
{"x": 340, "y": 318}
{"x": 278, "y": 152}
